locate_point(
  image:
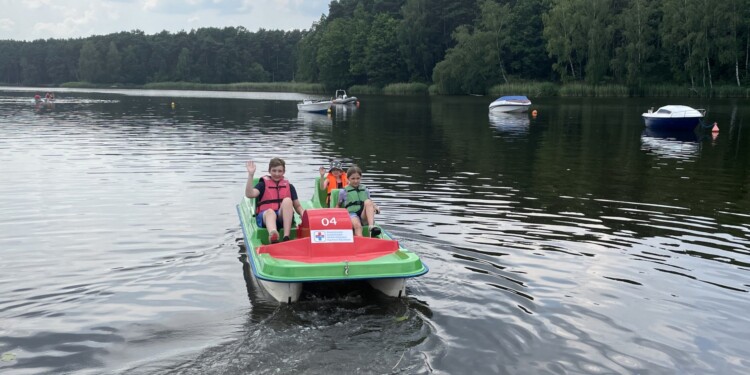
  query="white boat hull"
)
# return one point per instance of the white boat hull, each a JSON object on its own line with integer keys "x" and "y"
{"x": 510, "y": 108}
{"x": 348, "y": 100}
{"x": 290, "y": 292}
{"x": 319, "y": 107}
{"x": 282, "y": 292}
{"x": 390, "y": 287}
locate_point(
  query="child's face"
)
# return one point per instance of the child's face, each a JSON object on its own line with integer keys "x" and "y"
{"x": 355, "y": 179}
{"x": 277, "y": 173}
{"x": 336, "y": 172}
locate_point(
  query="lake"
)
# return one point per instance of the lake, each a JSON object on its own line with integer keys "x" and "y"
{"x": 573, "y": 242}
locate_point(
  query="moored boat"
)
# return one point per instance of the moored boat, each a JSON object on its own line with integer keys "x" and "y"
{"x": 674, "y": 117}
{"x": 323, "y": 248}
{"x": 510, "y": 104}
{"x": 318, "y": 106}
{"x": 341, "y": 98}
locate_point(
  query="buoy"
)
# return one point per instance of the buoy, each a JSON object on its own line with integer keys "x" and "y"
{"x": 172, "y": 105}
{"x": 357, "y": 103}
{"x": 533, "y": 113}
{"x": 715, "y": 129}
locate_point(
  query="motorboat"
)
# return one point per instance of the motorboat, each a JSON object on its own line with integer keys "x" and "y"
{"x": 318, "y": 106}
{"x": 510, "y": 104}
{"x": 341, "y": 98}
{"x": 323, "y": 248}
{"x": 674, "y": 117}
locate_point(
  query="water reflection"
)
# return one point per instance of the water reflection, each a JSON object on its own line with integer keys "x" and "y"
{"x": 314, "y": 119}
{"x": 670, "y": 144}
{"x": 40, "y": 107}
{"x": 344, "y": 111}
{"x": 547, "y": 254}
{"x": 510, "y": 123}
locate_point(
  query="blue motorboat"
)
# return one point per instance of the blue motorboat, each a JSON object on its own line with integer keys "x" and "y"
{"x": 674, "y": 117}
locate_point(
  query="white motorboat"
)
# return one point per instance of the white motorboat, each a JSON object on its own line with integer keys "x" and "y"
{"x": 342, "y": 98}
{"x": 673, "y": 117}
{"x": 510, "y": 104}
{"x": 318, "y": 106}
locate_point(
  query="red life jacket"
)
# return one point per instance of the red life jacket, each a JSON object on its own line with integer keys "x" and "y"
{"x": 273, "y": 194}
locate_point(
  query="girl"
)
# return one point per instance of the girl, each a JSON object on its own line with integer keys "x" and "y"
{"x": 356, "y": 199}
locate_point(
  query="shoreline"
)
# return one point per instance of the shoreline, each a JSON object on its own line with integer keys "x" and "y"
{"x": 530, "y": 89}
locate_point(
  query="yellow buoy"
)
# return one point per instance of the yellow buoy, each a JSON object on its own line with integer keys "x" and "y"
{"x": 172, "y": 105}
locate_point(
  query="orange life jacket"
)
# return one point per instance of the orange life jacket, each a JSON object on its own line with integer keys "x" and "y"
{"x": 273, "y": 194}
{"x": 333, "y": 184}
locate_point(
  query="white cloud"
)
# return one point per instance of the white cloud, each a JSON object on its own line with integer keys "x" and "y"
{"x": 34, "y": 19}
{"x": 6, "y": 24}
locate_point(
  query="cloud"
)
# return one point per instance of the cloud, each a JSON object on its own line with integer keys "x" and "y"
{"x": 191, "y": 6}
{"x": 6, "y": 24}
{"x": 34, "y": 19}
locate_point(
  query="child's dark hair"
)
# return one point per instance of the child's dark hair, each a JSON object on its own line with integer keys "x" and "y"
{"x": 275, "y": 162}
{"x": 352, "y": 170}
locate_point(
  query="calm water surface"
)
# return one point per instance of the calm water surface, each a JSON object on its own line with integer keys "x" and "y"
{"x": 569, "y": 243}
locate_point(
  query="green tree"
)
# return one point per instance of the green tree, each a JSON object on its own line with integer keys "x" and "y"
{"x": 384, "y": 63}
{"x": 113, "y": 63}
{"x": 307, "y": 51}
{"x": 595, "y": 23}
{"x": 684, "y": 39}
{"x": 333, "y": 54}
{"x": 182, "y": 70}
{"x": 526, "y": 54}
{"x": 478, "y": 59}
{"x": 360, "y": 24}
{"x": 89, "y": 62}
{"x": 731, "y": 21}
{"x": 637, "y": 25}
{"x": 565, "y": 41}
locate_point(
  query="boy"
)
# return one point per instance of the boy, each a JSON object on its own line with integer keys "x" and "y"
{"x": 277, "y": 199}
{"x": 335, "y": 179}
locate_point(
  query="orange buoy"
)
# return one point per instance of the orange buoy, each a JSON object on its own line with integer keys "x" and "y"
{"x": 533, "y": 113}
{"x": 715, "y": 129}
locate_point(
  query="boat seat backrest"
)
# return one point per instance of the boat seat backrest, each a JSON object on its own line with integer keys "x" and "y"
{"x": 320, "y": 194}
{"x": 334, "y": 198}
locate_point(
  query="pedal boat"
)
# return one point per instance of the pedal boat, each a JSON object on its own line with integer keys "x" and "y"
{"x": 323, "y": 249}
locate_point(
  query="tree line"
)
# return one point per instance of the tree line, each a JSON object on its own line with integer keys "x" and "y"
{"x": 457, "y": 46}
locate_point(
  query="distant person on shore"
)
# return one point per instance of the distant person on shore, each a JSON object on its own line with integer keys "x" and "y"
{"x": 276, "y": 199}
{"x": 356, "y": 199}
{"x": 334, "y": 179}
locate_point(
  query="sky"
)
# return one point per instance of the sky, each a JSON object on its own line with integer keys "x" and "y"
{"x": 62, "y": 19}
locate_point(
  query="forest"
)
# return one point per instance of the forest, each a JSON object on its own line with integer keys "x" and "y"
{"x": 455, "y": 47}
